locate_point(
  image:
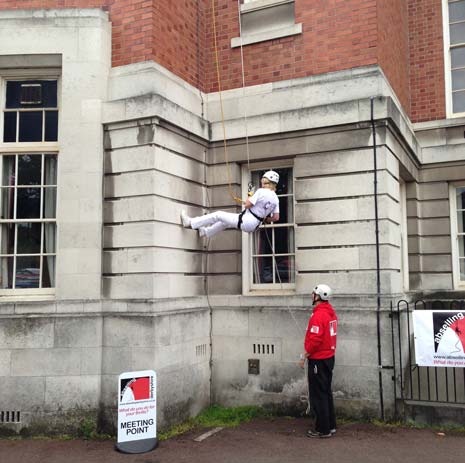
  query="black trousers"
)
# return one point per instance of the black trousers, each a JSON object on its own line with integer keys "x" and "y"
{"x": 320, "y": 376}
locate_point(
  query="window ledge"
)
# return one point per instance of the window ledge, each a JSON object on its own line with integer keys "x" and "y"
{"x": 266, "y": 35}
{"x": 261, "y": 4}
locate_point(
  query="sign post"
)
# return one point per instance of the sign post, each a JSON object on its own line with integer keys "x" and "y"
{"x": 137, "y": 412}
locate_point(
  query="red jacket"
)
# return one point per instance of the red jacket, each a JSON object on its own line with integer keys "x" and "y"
{"x": 320, "y": 339}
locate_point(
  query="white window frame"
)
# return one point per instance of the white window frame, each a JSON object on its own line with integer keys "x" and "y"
{"x": 404, "y": 235}
{"x": 249, "y": 288}
{"x": 37, "y": 148}
{"x": 458, "y": 284}
{"x": 447, "y": 62}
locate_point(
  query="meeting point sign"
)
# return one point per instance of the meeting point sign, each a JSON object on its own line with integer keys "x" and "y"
{"x": 137, "y": 412}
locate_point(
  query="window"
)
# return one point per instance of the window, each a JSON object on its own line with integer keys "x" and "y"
{"x": 28, "y": 188}
{"x": 457, "y": 206}
{"x": 270, "y": 262}
{"x": 454, "y": 17}
{"x": 262, "y": 20}
{"x": 404, "y": 236}
{"x": 30, "y": 113}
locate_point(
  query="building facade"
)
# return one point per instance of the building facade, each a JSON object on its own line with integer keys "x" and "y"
{"x": 119, "y": 114}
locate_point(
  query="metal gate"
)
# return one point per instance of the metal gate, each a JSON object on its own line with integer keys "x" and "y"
{"x": 413, "y": 383}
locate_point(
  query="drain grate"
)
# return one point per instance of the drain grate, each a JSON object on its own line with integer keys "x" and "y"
{"x": 10, "y": 416}
{"x": 266, "y": 349}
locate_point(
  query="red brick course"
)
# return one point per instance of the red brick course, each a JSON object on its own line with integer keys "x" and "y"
{"x": 403, "y": 36}
{"x": 427, "y": 84}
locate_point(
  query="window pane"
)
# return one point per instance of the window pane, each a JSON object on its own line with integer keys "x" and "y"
{"x": 263, "y": 241}
{"x": 262, "y": 270}
{"x": 48, "y": 271}
{"x": 50, "y": 203}
{"x": 9, "y": 127}
{"x": 461, "y": 240}
{"x": 13, "y": 94}
{"x": 49, "y": 238}
{"x": 458, "y": 79}
{"x": 27, "y": 272}
{"x": 460, "y": 220}
{"x": 284, "y": 269}
{"x": 462, "y": 269}
{"x": 30, "y": 126}
{"x": 284, "y": 240}
{"x": 6, "y": 276}
{"x": 8, "y": 238}
{"x": 457, "y": 11}
{"x": 28, "y": 238}
{"x": 458, "y": 99}
{"x": 9, "y": 166}
{"x": 460, "y": 198}
{"x": 29, "y": 168}
{"x": 286, "y": 209}
{"x": 8, "y": 203}
{"x": 50, "y": 174}
{"x": 457, "y": 33}
{"x": 49, "y": 92}
{"x": 51, "y": 126}
{"x": 28, "y": 206}
{"x": 285, "y": 181}
{"x": 457, "y": 56}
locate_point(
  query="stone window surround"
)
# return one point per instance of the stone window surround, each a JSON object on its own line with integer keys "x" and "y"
{"x": 28, "y": 67}
{"x": 254, "y": 8}
{"x": 457, "y": 283}
{"x": 248, "y": 288}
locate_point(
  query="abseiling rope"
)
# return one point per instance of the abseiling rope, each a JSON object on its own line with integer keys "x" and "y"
{"x": 233, "y": 196}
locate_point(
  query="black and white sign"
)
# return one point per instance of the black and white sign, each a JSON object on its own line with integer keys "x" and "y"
{"x": 439, "y": 338}
{"x": 137, "y": 412}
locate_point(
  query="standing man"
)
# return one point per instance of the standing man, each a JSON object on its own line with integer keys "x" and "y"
{"x": 320, "y": 348}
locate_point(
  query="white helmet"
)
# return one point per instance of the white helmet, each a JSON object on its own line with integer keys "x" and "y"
{"x": 272, "y": 176}
{"x": 324, "y": 291}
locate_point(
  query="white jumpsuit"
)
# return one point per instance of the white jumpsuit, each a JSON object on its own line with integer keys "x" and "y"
{"x": 265, "y": 202}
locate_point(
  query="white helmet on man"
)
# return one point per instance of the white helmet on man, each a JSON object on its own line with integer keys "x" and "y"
{"x": 324, "y": 291}
{"x": 272, "y": 176}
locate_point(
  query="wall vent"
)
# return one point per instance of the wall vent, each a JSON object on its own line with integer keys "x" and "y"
{"x": 263, "y": 349}
{"x": 201, "y": 350}
{"x": 10, "y": 417}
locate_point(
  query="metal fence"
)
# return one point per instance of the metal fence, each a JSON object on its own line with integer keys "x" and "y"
{"x": 418, "y": 383}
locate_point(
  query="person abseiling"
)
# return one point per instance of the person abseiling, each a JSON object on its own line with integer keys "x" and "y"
{"x": 320, "y": 349}
{"x": 262, "y": 206}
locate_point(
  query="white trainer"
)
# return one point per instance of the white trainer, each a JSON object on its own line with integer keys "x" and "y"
{"x": 185, "y": 219}
{"x": 202, "y": 232}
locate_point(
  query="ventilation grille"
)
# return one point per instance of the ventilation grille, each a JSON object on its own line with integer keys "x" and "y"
{"x": 201, "y": 350}
{"x": 263, "y": 349}
{"x": 31, "y": 94}
{"x": 10, "y": 417}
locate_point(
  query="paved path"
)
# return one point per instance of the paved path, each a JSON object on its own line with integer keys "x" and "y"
{"x": 280, "y": 440}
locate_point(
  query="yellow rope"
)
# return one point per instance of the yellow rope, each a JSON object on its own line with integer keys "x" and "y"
{"x": 233, "y": 196}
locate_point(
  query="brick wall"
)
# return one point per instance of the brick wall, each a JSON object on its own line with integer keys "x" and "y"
{"x": 393, "y": 46}
{"x": 337, "y": 35}
{"x": 427, "y": 85}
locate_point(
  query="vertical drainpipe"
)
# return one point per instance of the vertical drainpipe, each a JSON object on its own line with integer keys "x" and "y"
{"x": 378, "y": 272}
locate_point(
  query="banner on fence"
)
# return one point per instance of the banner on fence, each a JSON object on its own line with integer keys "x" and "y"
{"x": 439, "y": 338}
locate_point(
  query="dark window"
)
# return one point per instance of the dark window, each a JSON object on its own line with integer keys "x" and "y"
{"x": 38, "y": 125}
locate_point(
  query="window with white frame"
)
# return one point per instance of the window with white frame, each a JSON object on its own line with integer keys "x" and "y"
{"x": 28, "y": 186}
{"x": 457, "y": 206}
{"x": 271, "y": 262}
{"x": 454, "y": 38}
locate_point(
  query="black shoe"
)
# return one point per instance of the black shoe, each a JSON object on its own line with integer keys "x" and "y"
{"x": 311, "y": 433}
